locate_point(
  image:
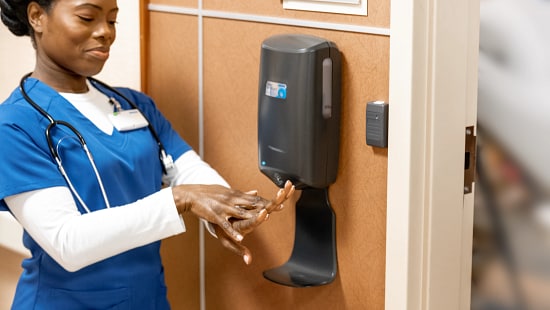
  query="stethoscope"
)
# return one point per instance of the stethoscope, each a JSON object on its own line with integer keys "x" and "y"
{"x": 165, "y": 159}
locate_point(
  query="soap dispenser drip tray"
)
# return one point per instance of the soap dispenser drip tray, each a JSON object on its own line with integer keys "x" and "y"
{"x": 313, "y": 260}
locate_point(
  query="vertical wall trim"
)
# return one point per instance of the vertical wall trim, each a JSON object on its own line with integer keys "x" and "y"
{"x": 200, "y": 79}
{"x": 433, "y": 65}
{"x": 202, "y": 250}
{"x": 144, "y": 27}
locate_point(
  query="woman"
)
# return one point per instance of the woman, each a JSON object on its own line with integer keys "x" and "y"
{"x": 93, "y": 224}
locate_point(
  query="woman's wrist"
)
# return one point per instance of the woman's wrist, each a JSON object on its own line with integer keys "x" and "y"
{"x": 181, "y": 199}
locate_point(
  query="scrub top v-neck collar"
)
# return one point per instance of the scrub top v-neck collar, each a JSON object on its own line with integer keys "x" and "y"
{"x": 93, "y": 105}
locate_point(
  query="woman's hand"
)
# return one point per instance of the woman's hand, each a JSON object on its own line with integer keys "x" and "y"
{"x": 246, "y": 226}
{"x": 218, "y": 205}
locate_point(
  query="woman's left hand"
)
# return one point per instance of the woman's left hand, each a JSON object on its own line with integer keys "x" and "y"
{"x": 246, "y": 226}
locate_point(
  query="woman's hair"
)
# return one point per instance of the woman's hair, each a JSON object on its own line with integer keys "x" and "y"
{"x": 14, "y": 15}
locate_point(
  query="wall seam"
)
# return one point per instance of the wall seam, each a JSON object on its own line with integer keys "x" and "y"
{"x": 202, "y": 245}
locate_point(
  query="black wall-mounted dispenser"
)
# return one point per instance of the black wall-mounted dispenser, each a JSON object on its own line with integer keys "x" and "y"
{"x": 298, "y": 139}
{"x": 299, "y": 110}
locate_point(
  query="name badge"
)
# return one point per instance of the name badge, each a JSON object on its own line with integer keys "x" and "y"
{"x": 128, "y": 120}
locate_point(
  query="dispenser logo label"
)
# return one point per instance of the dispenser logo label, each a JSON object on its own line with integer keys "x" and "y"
{"x": 275, "y": 90}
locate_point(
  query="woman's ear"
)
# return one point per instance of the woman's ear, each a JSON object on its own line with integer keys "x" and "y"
{"x": 36, "y": 15}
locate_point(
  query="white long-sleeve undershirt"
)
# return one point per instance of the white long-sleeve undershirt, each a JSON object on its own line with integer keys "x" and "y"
{"x": 75, "y": 240}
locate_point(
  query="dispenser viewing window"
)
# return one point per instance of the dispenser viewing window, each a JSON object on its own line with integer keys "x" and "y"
{"x": 299, "y": 110}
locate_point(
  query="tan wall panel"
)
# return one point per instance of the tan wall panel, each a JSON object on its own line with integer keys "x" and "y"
{"x": 172, "y": 76}
{"x": 231, "y": 64}
{"x": 172, "y": 83}
{"x": 378, "y": 11}
{"x": 185, "y": 3}
{"x": 180, "y": 257}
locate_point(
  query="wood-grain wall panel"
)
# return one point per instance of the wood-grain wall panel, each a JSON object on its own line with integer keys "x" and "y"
{"x": 172, "y": 79}
{"x": 172, "y": 76}
{"x": 378, "y": 11}
{"x": 231, "y": 64}
{"x": 230, "y": 61}
{"x": 184, "y": 3}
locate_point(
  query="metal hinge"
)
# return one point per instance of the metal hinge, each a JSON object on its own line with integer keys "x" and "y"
{"x": 469, "y": 160}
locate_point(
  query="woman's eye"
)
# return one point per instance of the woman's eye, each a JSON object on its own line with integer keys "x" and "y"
{"x": 113, "y": 22}
{"x": 86, "y": 19}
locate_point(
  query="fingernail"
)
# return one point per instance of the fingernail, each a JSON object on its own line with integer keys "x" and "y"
{"x": 263, "y": 214}
{"x": 239, "y": 237}
{"x": 246, "y": 259}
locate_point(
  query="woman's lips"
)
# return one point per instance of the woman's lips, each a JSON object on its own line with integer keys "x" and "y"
{"x": 99, "y": 53}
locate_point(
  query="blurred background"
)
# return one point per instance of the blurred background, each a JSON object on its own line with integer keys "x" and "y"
{"x": 511, "y": 255}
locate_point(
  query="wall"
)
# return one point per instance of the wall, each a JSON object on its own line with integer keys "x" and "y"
{"x": 202, "y": 69}
{"x": 123, "y": 68}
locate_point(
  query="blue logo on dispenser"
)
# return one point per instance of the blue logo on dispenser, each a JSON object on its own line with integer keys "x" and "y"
{"x": 275, "y": 90}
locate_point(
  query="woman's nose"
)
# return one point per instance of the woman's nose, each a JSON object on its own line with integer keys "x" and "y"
{"x": 105, "y": 30}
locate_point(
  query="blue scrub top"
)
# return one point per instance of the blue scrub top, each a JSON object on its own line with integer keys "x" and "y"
{"x": 129, "y": 165}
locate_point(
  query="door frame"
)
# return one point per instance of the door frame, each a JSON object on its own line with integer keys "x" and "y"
{"x": 433, "y": 98}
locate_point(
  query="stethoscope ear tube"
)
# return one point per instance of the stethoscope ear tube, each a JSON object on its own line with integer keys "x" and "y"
{"x": 30, "y": 101}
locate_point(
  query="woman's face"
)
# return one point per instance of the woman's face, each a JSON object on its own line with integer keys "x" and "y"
{"x": 74, "y": 36}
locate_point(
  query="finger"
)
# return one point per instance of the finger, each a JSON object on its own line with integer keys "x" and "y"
{"x": 291, "y": 189}
{"x": 283, "y": 194}
{"x": 250, "y": 202}
{"x": 257, "y": 202}
{"x": 247, "y": 226}
{"x": 253, "y": 193}
{"x": 233, "y": 246}
{"x": 239, "y": 212}
{"x": 288, "y": 190}
{"x": 229, "y": 230}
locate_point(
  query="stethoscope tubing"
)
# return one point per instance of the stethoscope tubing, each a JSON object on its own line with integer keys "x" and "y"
{"x": 55, "y": 123}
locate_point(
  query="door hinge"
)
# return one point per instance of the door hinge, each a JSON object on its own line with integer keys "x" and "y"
{"x": 469, "y": 160}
